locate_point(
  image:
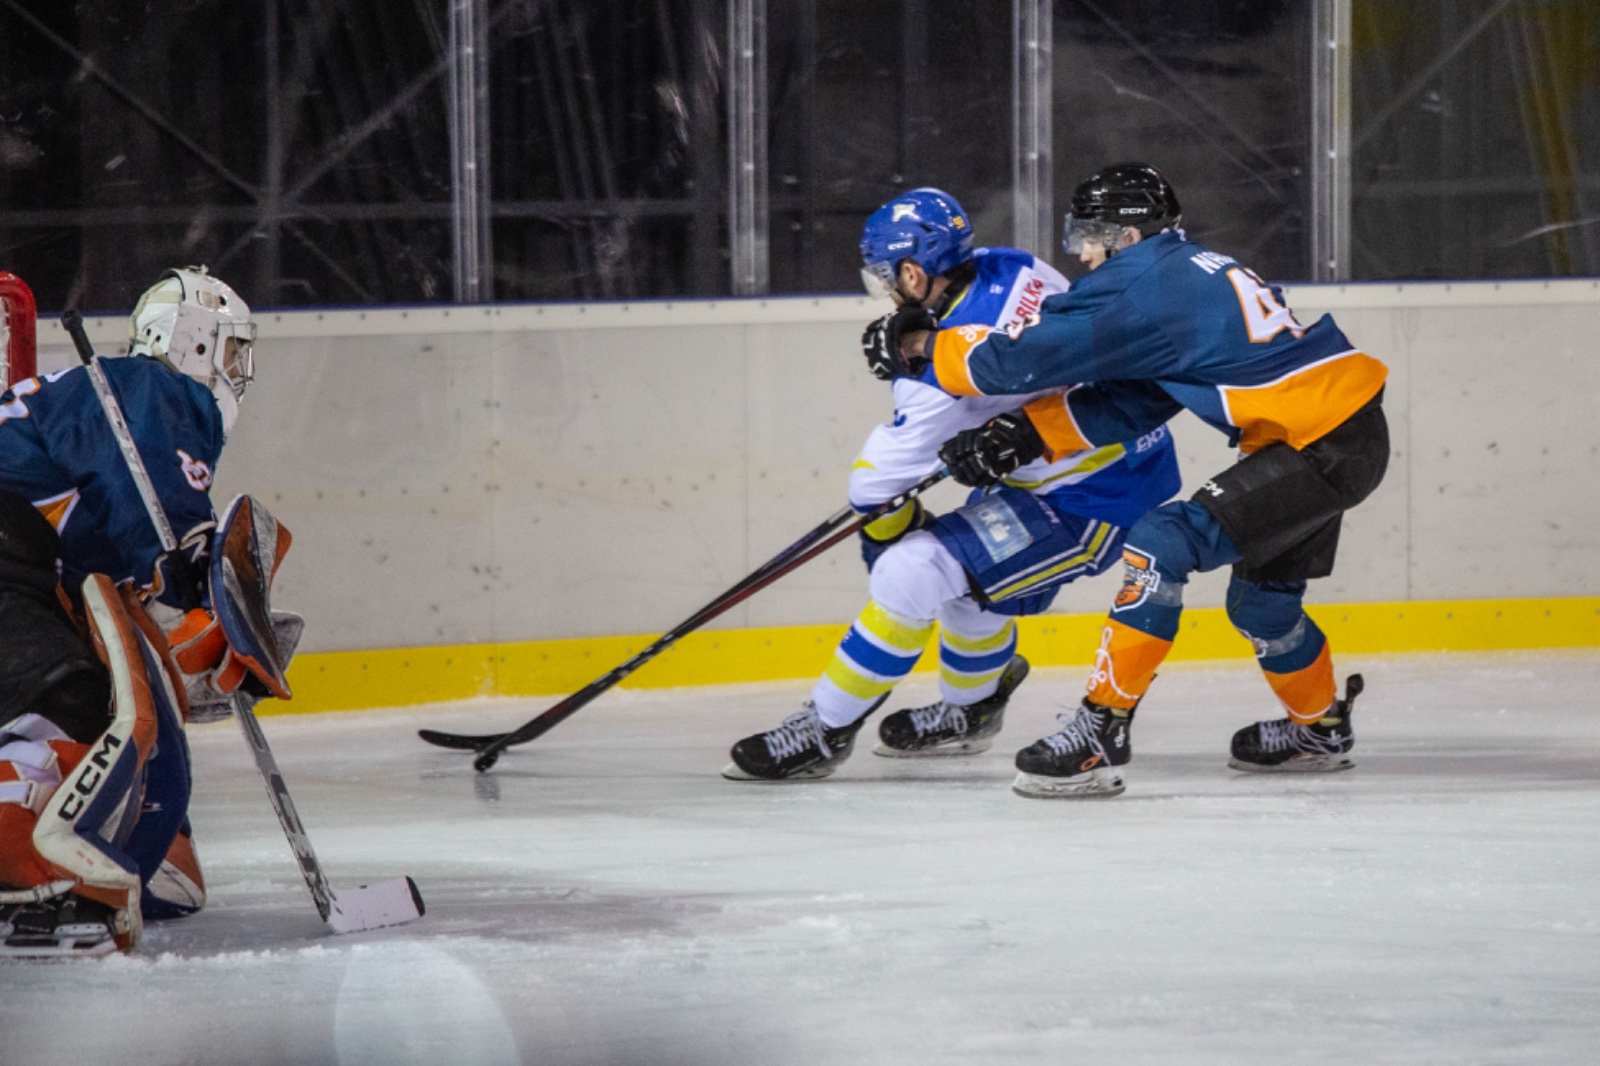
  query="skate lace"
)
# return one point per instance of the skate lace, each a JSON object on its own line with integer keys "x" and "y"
{"x": 1285, "y": 734}
{"x": 799, "y": 731}
{"x": 1082, "y": 730}
{"x": 935, "y": 716}
{"x": 1104, "y": 673}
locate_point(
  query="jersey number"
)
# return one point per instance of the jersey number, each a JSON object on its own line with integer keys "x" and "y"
{"x": 1264, "y": 316}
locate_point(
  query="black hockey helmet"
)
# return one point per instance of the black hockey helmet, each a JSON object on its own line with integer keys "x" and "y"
{"x": 1121, "y": 195}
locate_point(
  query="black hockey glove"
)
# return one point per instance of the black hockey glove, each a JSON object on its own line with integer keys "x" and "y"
{"x": 981, "y": 457}
{"x": 881, "y": 343}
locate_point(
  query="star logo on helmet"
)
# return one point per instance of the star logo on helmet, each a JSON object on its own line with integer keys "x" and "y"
{"x": 904, "y": 211}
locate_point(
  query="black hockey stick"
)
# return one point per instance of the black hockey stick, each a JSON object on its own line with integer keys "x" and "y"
{"x": 490, "y": 747}
{"x": 479, "y": 741}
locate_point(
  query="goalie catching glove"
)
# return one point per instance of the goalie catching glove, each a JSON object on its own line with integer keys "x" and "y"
{"x": 881, "y": 343}
{"x": 201, "y": 651}
{"x": 982, "y": 457}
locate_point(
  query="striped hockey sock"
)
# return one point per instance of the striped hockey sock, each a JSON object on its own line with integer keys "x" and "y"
{"x": 879, "y": 650}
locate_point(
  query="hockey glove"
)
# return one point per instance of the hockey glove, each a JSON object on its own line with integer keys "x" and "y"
{"x": 891, "y": 529}
{"x": 202, "y": 653}
{"x": 881, "y": 343}
{"x": 983, "y": 456}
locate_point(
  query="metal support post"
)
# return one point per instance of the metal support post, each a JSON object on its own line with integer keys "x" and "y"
{"x": 1330, "y": 140}
{"x": 747, "y": 146}
{"x": 1034, "y": 224}
{"x": 469, "y": 150}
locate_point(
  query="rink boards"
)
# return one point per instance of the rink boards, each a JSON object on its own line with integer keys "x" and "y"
{"x": 508, "y": 492}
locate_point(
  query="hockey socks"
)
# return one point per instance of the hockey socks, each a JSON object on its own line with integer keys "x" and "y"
{"x": 876, "y": 653}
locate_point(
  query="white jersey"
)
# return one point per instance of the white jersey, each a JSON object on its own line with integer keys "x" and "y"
{"x": 1010, "y": 285}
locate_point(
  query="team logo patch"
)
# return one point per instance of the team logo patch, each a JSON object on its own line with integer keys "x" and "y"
{"x": 1139, "y": 580}
{"x": 904, "y": 211}
{"x": 196, "y": 473}
{"x": 1014, "y": 330}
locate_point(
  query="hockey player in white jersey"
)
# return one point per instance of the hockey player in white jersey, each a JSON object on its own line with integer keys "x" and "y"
{"x": 973, "y": 571}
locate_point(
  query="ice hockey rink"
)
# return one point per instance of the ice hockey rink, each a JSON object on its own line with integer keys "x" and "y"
{"x": 604, "y": 896}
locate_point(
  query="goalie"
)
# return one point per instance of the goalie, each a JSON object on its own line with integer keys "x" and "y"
{"x": 108, "y": 639}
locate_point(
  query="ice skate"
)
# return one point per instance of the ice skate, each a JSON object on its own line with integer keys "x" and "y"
{"x": 800, "y": 749}
{"x": 1286, "y": 746}
{"x": 65, "y": 925}
{"x": 1082, "y": 760}
{"x": 945, "y": 729}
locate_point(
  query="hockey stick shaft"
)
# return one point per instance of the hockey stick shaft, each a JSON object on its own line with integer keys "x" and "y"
{"x": 739, "y": 593}
{"x": 277, "y": 792}
{"x": 181, "y": 569}
{"x": 477, "y": 742}
{"x": 288, "y": 817}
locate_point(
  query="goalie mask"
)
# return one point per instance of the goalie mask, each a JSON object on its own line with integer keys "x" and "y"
{"x": 201, "y": 328}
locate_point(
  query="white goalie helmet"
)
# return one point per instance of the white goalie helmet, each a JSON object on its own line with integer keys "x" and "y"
{"x": 200, "y": 327}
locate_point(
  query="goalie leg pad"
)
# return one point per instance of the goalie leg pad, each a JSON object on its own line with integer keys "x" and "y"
{"x": 177, "y": 889}
{"x": 83, "y": 829}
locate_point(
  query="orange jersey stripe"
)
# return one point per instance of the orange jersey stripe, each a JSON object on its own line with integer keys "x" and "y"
{"x": 1052, "y": 418}
{"x": 1307, "y": 694}
{"x": 1125, "y": 665}
{"x": 951, "y": 347}
{"x": 1304, "y": 405}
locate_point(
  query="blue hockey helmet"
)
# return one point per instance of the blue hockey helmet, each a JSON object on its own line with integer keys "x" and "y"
{"x": 926, "y": 226}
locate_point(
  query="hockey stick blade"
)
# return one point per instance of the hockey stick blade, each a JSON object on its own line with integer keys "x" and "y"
{"x": 350, "y": 910}
{"x": 392, "y": 902}
{"x": 459, "y": 741}
{"x": 788, "y": 561}
{"x": 479, "y": 741}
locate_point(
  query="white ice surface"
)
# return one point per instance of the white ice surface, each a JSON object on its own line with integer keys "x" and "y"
{"x": 603, "y": 896}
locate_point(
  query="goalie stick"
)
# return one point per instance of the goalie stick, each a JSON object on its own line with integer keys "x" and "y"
{"x": 350, "y": 910}
{"x": 791, "y": 558}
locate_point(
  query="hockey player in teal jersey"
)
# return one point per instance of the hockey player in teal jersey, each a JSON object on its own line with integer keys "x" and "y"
{"x": 973, "y": 571}
{"x": 1161, "y": 324}
{"x": 94, "y": 772}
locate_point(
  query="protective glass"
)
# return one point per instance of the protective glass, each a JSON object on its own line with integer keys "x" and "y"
{"x": 879, "y": 279}
{"x": 1076, "y": 233}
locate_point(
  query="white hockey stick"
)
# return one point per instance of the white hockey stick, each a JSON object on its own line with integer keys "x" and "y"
{"x": 352, "y": 910}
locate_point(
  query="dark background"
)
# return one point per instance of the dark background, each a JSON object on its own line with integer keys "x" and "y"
{"x": 301, "y": 148}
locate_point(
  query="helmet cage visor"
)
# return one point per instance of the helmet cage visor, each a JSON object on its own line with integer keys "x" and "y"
{"x": 880, "y": 277}
{"x": 235, "y": 360}
{"x": 1078, "y": 233}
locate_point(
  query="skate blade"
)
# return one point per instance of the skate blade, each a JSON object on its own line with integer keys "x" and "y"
{"x": 964, "y": 746}
{"x": 70, "y": 948}
{"x": 733, "y": 773}
{"x": 1303, "y": 764}
{"x": 1099, "y": 783}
